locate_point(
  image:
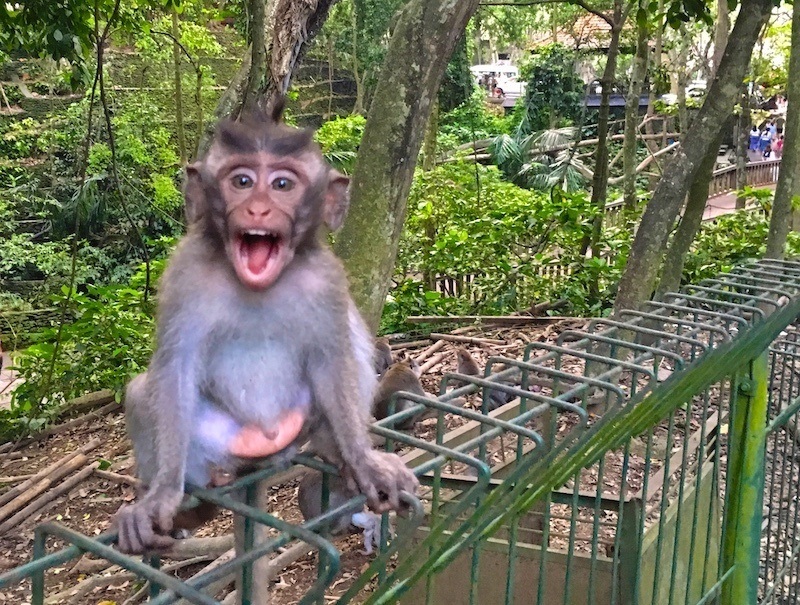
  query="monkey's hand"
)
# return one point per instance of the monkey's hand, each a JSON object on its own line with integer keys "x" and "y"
{"x": 145, "y": 525}
{"x": 381, "y": 477}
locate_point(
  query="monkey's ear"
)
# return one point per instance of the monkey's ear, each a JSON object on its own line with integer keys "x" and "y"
{"x": 337, "y": 200}
{"x": 194, "y": 193}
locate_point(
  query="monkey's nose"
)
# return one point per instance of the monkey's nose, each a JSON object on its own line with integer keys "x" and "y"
{"x": 259, "y": 212}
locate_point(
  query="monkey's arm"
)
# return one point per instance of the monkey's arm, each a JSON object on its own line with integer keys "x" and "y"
{"x": 163, "y": 421}
{"x": 378, "y": 475}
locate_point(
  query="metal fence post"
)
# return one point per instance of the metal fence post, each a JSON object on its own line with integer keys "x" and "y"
{"x": 745, "y": 494}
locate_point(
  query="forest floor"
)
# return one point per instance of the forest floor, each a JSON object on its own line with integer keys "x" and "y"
{"x": 89, "y": 506}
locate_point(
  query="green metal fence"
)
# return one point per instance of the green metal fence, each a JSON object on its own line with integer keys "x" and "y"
{"x": 654, "y": 458}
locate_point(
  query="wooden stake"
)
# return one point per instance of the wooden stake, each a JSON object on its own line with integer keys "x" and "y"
{"x": 469, "y": 339}
{"x": 118, "y": 478}
{"x": 408, "y": 345}
{"x": 430, "y": 350}
{"x": 42, "y": 485}
{"x": 40, "y": 502}
{"x": 61, "y": 428}
{"x": 499, "y": 320}
{"x": 48, "y": 470}
{"x": 433, "y": 361}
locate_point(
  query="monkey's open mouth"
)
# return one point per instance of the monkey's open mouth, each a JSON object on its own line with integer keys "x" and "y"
{"x": 259, "y": 253}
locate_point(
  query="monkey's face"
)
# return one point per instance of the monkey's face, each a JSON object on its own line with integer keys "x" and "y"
{"x": 263, "y": 195}
{"x": 264, "y": 190}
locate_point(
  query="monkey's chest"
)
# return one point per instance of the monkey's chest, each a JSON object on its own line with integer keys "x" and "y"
{"x": 254, "y": 372}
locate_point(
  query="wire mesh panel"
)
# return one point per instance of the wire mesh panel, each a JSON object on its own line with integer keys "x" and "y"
{"x": 780, "y": 542}
{"x": 626, "y": 463}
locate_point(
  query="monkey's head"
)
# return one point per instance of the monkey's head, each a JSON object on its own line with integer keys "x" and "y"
{"x": 261, "y": 193}
{"x": 408, "y": 363}
{"x": 463, "y": 356}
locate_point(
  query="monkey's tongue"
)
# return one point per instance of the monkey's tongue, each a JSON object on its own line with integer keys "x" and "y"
{"x": 257, "y": 251}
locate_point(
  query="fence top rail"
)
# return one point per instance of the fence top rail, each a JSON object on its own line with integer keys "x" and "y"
{"x": 749, "y": 166}
{"x": 617, "y": 204}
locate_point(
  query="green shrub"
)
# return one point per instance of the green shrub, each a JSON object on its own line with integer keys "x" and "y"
{"x": 465, "y": 220}
{"x": 339, "y": 140}
{"x": 109, "y": 340}
{"x": 728, "y": 241}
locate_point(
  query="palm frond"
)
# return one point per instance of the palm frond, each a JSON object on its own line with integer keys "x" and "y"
{"x": 547, "y": 139}
{"x": 506, "y": 150}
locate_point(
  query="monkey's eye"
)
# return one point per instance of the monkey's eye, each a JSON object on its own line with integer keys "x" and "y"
{"x": 242, "y": 181}
{"x": 283, "y": 184}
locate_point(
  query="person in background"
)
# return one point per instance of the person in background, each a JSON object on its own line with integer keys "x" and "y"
{"x": 755, "y": 135}
{"x": 779, "y": 147}
{"x": 763, "y": 142}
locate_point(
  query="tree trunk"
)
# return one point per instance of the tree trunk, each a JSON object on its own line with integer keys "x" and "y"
{"x": 600, "y": 178}
{"x": 429, "y": 163}
{"x": 176, "y": 65}
{"x": 359, "y": 104}
{"x": 257, "y": 36}
{"x": 689, "y": 223}
{"x": 789, "y": 177}
{"x": 629, "y": 143}
{"x": 646, "y": 253}
{"x": 423, "y": 40}
{"x": 477, "y": 40}
{"x": 657, "y": 51}
{"x": 683, "y": 57}
{"x": 285, "y": 29}
{"x": 722, "y": 27}
{"x": 742, "y": 145}
{"x": 330, "y": 76}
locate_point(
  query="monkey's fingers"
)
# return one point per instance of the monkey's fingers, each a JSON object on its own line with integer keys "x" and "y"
{"x": 136, "y": 532}
{"x": 254, "y": 442}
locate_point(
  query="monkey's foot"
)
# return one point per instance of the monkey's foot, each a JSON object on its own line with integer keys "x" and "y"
{"x": 254, "y": 442}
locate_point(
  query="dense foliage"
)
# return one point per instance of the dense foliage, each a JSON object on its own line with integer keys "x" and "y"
{"x": 730, "y": 240}
{"x": 500, "y": 247}
{"x": 555, "y": 91}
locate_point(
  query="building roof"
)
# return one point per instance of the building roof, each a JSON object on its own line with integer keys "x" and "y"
{"x": 586, "y": 32}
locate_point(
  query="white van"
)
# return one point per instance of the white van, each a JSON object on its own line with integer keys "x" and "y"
{"x": 506, "y": 75}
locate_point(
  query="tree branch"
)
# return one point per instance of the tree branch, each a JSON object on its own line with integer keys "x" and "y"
{"x": 182, "y": 47}
{"x": 594, "y": 11}
{"x": 527, "y": 3}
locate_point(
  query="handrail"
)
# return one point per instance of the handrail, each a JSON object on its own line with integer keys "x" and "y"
{"x": 723, "y": 181}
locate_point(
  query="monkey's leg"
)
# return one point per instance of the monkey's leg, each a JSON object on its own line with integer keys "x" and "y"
{"x": 192, "y": 518}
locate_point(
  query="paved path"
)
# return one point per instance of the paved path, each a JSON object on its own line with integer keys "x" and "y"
{"x": 7, "y": 380}
{"x": 724, "y": 204}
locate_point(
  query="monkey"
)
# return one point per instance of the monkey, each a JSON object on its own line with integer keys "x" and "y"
{"x": 383, "y": 356}
{"x": 259, "y": 345}
{"x": 403, "y": 376}
{"x": 467, "y": 365}
{"x": 309, "y": 497}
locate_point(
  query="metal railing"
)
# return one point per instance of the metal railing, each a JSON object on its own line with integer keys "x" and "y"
{"x": 648, "y": 459}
